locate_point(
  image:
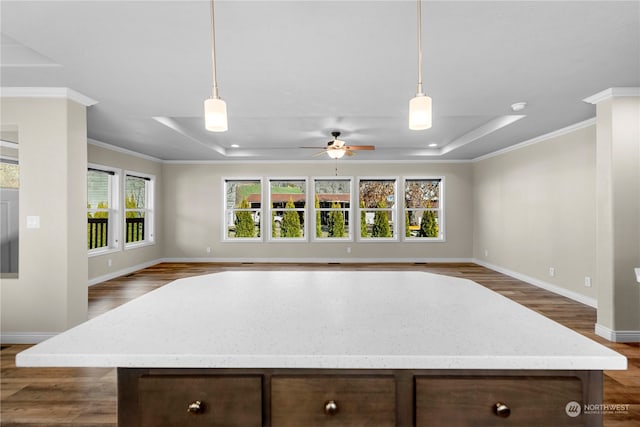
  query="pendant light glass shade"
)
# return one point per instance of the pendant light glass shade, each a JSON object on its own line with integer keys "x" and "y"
{"x": 420, "y": 112}
{"x": 215, "y": 115}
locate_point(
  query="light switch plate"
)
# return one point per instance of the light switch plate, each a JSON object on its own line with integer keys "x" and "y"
{"x": 33, "y": 221}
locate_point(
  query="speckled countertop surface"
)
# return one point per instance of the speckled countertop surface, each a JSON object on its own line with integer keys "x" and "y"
{"x": 323, "y": 319}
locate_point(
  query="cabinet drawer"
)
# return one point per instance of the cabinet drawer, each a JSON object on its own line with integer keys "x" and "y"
{"x": 333, "y": 401}
{"x": 224, "y": 400}
{"x": 464, "y": 401}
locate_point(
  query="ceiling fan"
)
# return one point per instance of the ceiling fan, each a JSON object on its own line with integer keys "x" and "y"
{"x": 338, "y": 148}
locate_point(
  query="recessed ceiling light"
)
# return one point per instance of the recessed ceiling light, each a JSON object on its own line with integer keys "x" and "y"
{"x": 518, "y": 106}
{"x": 235, "y": 146}
{"x": 433, "y": 145}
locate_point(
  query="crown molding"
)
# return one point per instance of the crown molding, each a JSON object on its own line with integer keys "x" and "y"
{"x": 554, "y": 134}
{"x": 47, "y": 92}
{"x": 122, "y": 150}
{"x": 612, "y": 92}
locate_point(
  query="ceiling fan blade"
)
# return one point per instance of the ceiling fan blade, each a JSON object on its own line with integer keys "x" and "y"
{"x": 361, "y": 147}
{"x": 349, "y": 152}
{"x": 315, "y": 148}
{"x": 320, "y": 153}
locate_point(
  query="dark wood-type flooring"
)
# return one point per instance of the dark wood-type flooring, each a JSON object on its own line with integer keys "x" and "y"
{"x": 87, "y": 396}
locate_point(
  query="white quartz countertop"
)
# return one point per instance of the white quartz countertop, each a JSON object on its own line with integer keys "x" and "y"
{"x": 323, "y": 319}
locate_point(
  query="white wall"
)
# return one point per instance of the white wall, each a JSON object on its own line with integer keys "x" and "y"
{"x": 193, "y": 212}
{"x": 534, "y": 209}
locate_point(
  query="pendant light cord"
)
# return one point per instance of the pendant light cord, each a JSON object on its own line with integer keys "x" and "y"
{"x": 214, "y": 92}
{"x": 420, "y": 47}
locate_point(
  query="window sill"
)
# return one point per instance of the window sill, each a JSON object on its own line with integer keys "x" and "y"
{"x": 137, "y": 245}
{"x": 97, "y": 252}
{"x": 424, "y": 239}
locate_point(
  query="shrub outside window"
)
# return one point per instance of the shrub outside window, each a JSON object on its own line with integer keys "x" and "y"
{"x": 243, "y": 204}
{"x": 423, "y": 208}
{"x": 332, "y": 208}
{"x": 377, "y": 209}
{"x": 288, "y": 208}
{"x": 138, "y": 212}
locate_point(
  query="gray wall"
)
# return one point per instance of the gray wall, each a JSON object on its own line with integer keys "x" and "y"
{"x": 535, "y": 209}
{"x": 50, "y": 293}
{"x": 193, "y": 212}
{"x": 128, "y": 259}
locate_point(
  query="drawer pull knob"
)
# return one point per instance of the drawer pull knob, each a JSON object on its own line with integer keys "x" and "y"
{"x": 501, "y": 410}
{"x": 196, "y": 407}
{"x": 331, "y": 407}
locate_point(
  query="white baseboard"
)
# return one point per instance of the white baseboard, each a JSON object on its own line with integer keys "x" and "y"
{"x": 591, "y": 302}
{"x": 342, "y": 260}
{"x": 617, "y": 336}
{"x": 122, "y": 272}
{"x": 25, "y": 337}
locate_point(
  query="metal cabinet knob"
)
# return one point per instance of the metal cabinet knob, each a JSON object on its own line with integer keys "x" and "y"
{"x": 195, "y": 407}
{"x": 501, "y": 410}
{"x": 331, "y": 407}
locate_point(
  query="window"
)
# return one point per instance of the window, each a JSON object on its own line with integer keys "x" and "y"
{"x": 243, "y": 204}
{"x": 332, "y": 207}
{"x": 423, "y": 208}
{"x": 102, "y": 209}
{"x": 288, "y": 208}
{"x": 377, "y": 209}
{"x": 138, "y": 209}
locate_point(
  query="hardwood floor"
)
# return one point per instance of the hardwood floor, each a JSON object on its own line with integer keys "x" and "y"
{"x": 87, "y": 397}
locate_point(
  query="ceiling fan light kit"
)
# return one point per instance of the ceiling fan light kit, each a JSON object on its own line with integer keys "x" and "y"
{"x": 337, "y": 148}
{"x": 420, "y": 105}
{"x": 336, "y": 153}
{"x": 215, "y": 109}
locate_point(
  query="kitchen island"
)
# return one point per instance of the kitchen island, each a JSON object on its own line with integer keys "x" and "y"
{"x": 348, "y": 348}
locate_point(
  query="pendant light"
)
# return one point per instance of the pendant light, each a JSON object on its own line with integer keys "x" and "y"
{"x": 215, "y": 109}
{"x": 420, "y": 105}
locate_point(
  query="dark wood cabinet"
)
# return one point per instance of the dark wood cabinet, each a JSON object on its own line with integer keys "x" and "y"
{"x": 198, "y": 400}
{"x": 354, "y": 397}
{"x": 496, "y": 400}
{"x": 333, "y": 401}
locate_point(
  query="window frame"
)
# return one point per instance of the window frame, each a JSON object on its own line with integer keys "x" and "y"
{"x": 113, "y": 227}
{"x": 148, "y": 210}
{"x": 349, "y": 210}
{"x": 268, "y": 211}
{"x": 440, "y": 210}
{"x": 394, "y": 210}
{"x": 230, "y": 211}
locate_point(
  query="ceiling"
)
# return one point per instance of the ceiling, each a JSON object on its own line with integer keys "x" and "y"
{"x": 293, "y": 71}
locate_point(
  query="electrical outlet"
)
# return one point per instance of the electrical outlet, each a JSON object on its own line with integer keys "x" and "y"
{"x": 587, "y": 281}
{"x": 486, "y": 253}
{"x": 208, "y": 249}
{"x": 348, "y": 249}
{"x": 109, "y": 262}
{"x": 552, "y": 271}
